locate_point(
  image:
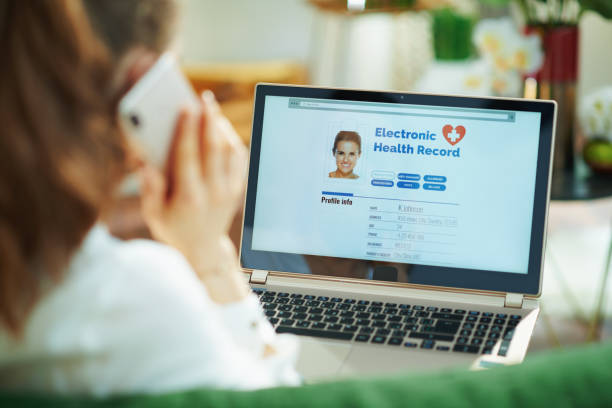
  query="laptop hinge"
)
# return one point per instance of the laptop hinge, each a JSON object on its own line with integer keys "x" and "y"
{"x": 258, "y": 276}
{"x": 514, "y": 300}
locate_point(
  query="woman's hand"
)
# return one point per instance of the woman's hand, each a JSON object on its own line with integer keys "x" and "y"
{"x": 192, "y": 207}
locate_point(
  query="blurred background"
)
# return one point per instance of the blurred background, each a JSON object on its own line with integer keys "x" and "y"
{"x": 550, "y": 49}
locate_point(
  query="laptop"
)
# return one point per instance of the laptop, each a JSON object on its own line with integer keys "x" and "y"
{"x": 397, "y": 231}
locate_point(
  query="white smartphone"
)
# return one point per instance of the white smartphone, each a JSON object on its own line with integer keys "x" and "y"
{"x": 148, "y": 112}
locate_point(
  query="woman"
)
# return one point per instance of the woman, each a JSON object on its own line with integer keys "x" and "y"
{"x": 346, "y": 150}
{"x": 80, "y": 311}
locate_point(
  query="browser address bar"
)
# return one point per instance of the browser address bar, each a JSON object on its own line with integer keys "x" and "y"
{"x": 403, "y": 110}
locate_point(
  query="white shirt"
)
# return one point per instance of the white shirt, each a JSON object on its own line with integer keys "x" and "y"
{"x": 133, "y": 317}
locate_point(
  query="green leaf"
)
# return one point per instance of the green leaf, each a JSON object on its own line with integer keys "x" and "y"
{"x": 603, "y": 7}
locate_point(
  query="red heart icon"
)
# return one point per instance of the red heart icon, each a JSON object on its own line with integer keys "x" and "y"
{"x": 453, "y": 137}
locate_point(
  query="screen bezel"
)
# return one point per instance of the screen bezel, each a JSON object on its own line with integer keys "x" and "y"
{"x": 482, "y": 280}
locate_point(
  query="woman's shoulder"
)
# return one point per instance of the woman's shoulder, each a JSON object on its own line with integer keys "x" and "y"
{"x": 133, "y": 268}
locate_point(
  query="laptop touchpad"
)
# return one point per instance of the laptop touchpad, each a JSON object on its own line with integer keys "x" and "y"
{"x": 320, "y": 359}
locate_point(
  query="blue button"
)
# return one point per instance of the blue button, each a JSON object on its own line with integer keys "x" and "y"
{"x": 382, "y": 183}
{"x": 407, "y": 184}
{"x": 408, "y": 176}
{"x": 435, "y": 179}
{"x": 435, "y": 187}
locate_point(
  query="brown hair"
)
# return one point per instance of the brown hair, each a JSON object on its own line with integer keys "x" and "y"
{"x": 61, "y": 154}
{"x": 347, "y": 136}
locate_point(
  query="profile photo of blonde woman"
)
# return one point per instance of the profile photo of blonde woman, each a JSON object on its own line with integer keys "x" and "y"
{"x": 346, "y": 150}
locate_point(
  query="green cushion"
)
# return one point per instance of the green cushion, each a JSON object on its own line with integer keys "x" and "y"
{"x": 580, "y": 377}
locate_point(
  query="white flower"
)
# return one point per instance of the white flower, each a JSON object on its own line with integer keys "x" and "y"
{"x": 500, "y": 42}
{"x": 493, "y": 36}
{"x": 527, "y": 56}
{"x": 507, "y": 83}
{"x": 596, "y": 114}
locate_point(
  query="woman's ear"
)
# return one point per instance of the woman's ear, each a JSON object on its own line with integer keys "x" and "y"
{"x": 131, "y": 67}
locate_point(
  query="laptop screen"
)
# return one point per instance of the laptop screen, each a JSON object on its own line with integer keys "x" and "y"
{"x": 347, "y": 186}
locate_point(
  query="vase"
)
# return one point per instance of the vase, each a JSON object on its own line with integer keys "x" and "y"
{"x": 557, "y": 81}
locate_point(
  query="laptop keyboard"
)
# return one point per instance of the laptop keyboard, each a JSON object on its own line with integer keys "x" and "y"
{"x": 398, "y": 325}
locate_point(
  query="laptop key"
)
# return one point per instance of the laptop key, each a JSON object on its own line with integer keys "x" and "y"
{"x": 374, "y": 309}
{"x": 347, "y": 313}
{"x": 379, "y": 339}
{"x": 366, "y": 330}
{"x": 404, "y": 306}
{"x": 282, "y": 294}
{"x": 323, "y": 298}
{"x": 298, "y": 302}
{"x": 395, "y": 325}
{"x": 395, "y": 341}
{"x": 308, "y": 297}
{"x": 300, "y": 316}
{"x": 362, "y": 337}
{"x": 302, "y": 324}
{"x": 331, "y": 312}
{"x": 282, "y": 301}
{"x": 269, "y": 306}
{"x": 446, "y": 316}
{"x": 443, "y": 348}
{"x": 328, "y": 305}
{"x": 399, "y": 333}
{"x": 422, "y": 314}
{"x": 383, "y": 332}
{"x": 315, "y": 318}
{"x": 364, "y": 302}
{"x": 410, "y": 344}
{"x": 379, "y": 323}
{"x": 515, "y": 317}
{"x": 270, "y": 313}
{"x": 363, "y": 322}
{"x": 446, "y": 310}
{"x": 432, "y": 309}
{"x": 274, "y": 320}
{"x": 471, "y": 318}
{"x": 335, "y": 326}
{"x": 465, "y": 332}
{"x": 300, "y": 309}
{"x": 487, "y": 314}
{"x": 376, "y": 303}
{"x": 379, "y": 316}
{"x": 430, "y": 336}
{"x": 347, "y": 320}
{"x": 318, "y": 325}
{"x": 343, "y": 306}
{"x": 315, "y": 333}
{"x": 418, "y": 307}
{"x": 499, "y": 321}
{"x": 316, "y": 310}
{"x": 460, "y": 311}
{"x": 359, "y": 308}
{"x": 480, "y": 333}
{"x": 487, "y": 350}
{"x": 349, "y": 328}
{"x": 428, "y": 344}
{"x": 330, "y": 319}
{"x": 394, "y": 318}
{"x": 405, "y": 312}
{"x": 466, "y": 349}
{"x": 284, "y": 314}
{"x": 287, "y": 322}
{"x": 295, "y": 295}
{"x": 462, "y": 340}
{"x": 336, "y": 299}
{"x": 485, "y": 319}
{"x": 349, "y": 301}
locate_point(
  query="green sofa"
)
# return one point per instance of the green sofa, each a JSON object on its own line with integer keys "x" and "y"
{"x": 578, "y": 378}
